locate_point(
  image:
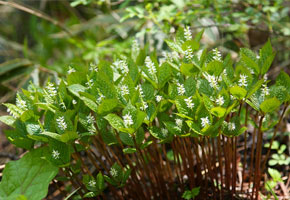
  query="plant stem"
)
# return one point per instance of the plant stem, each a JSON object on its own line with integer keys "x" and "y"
{"x": 273, "y": 137}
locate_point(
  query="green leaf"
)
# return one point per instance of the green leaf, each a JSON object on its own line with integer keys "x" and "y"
{"x": 139, "y": 119}
{"x": 214, "y": 68}
{"x": 249, "y": 60}
{"x": 19, "y": 138}
{"x": 107, "y": 106}
{"x": 115, "y": 121}
{"x": 188, "y": 69}
{"x": 89, "y": 101}
{"x": 13, "y": 109}
{"x": 218, "y": 111}
{"x": 283, "y": 79}
{"x": 190, "y": 44}
{"x": 266, "y": 57}
{"x": 30, "y": 176}
{"x": 174, "y": 46}
{"x": 275, "y": 174}
{"x": 126, "y": 138}
{"x": 190, "y": 86}
{"x": 63, "y": 153}
{"x": 7, "y": 119}
{"x": 270, "y": 105}
{"x": 100, "y": 182}
{"x": 164, "y": 74}
{"x": 76, "y": 88}
{"x": 198, "y": 36}
{"x": 255, "y": 87}
{"x": 108, "y": 137}
{"x": 238, "y": 92}
{"x": 65, "y": 137}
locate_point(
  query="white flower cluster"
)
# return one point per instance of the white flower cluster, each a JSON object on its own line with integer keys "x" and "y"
{"x": 220, "y": 100}
{"x": 121, "y": 65}
{"x": 188, "y": 53}
{"x": 189, "y": 102}
{"x": 55, "y": 154}
{"x": 100, "y": 98}
{"x": 124, "y": 90}
{"x": 213, "y": 81}
{"x": 62, "y": 105}
{"x": 265, "y": 90}
{"x": 243, "y": 80}
{"x": 170, "y": 56}
{"x": 71, "y": 70}
{"x": 61, "y": 123}
{"x": 94, "y": 67}
{"x": 178, "y": 122}
{"x": 164, "y": 132}
{"x": 187, "y": 33}
{"x": 113, "y": 172}
{"x": 217, "y": 54}
{"x": 205, "y": 121}
{"x": 135, "y": 47}
{"x": 150, "y": 65}
{"x": 158, "y": 98}
{"x": 21, "y": 103}
{"x": 128, "y": 120}
{"x": 51, "y": 90}
{"x": 231, "y": 126}
{"x": 90, "y": 83}
{"x": 139, "y": 88}
{"x": 144, "y": 105}
{"x": 92, "y": 183}
{"x": 180, "y": 89}
{"x": 91, "y": 119}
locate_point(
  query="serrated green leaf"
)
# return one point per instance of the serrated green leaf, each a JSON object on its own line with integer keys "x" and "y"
{"x": 174, "y": 46}
{"x": 115, "y": 121}
{"x": 218, "y": 111}
{"x": 29, "y": 176}
{"x": 238, "y": 92}
{"x": 7, "y": 119}
{"x": 107, "y": 106}
{"x": 270, "y": 105}
{"x": 76, "y": 88}
{"x": 188, "y": 69}
{"x": 249, "y": 60}
{"x": 164, "y": 74}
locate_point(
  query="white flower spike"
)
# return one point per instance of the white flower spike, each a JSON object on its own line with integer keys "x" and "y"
{"x": 124, "y": 90}
{"x": 231, "y": 126}
{"x": 187, "y": 33}
{"x": 150, "y": 65}
{"x": 51, "y": 89}
{"x": 205, "y": 121}
{"x": 220, "y": 100}
{"x": 180, "y": 89}
{"x": 178, "y": 122}
{"x": 61, "y": 123}
{"x": 243, "y": 80}
{"x": 189, "y": 103}
{"x": 128, "y": 120}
